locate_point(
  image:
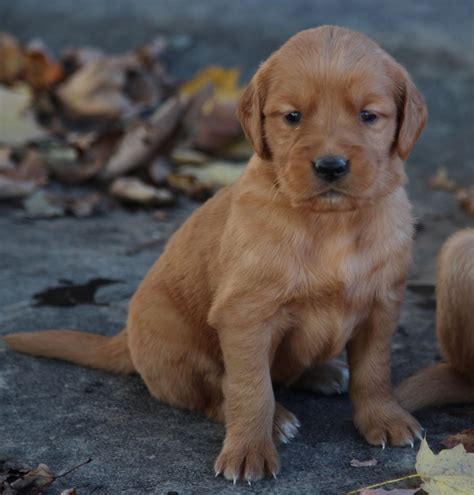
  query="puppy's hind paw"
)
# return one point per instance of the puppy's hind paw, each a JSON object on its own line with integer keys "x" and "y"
{"x": 327, "y": 379}
{"x": 285, "y": 425}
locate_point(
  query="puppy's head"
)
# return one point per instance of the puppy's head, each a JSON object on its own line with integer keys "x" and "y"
{"x": 335, "y": 117}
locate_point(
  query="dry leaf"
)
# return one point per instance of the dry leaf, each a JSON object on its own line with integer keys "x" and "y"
{"x": 59, "y": 158}
{"x": 201, "y": 182}
{"x": 136, "y": 191}
{"x": 96, "y": 155}
{"x": 12, "y": 59}
{"x": 358, "y": 464}
{"x": 188, "y": 185}
{"x": 132, "y": 152}
{"x": 450, "y": 472}
{"x": 43, "y": 205}
{"x": 215, "y": 124}
{"x": 216, "y": 174}
{"x": 149, "y": 56}
{"x": 224, "y": 81}
{"x": 11, "y": 188}
{"x": 81, "y": 141}
{"x": 22, "y": 180}
{"x": 84, "y": 205}
{"x": 96, "y": 90}
{"x": 75, "y": 58}
{"x": 41, "y": 69}
{"x": 194, "y": 104}
{"x": 84, "y": 160}
{"x": 143, "y": 141}
{"x": 32, "y": 167}
{"x": 32, "y": 64}
{"x": 33, "y": 481}
{"x": 441, "y": 181}
{"x": 141, "y": 87}
{"x": 17, "y": 124}
{"x": 465, "y": 438}
{"x": 186, "y": 156}
{"x": 465, "y": 196}
{"x": 6, "y": 162}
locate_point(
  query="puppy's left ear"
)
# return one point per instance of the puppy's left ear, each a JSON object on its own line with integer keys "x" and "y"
{"x": 413, "y": 115}
{"x": 250, "y": 115}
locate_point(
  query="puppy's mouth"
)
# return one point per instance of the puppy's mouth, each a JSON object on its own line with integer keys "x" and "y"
{"x": 331, "y": 195}
{"x": 333, "y": 199}
{"x": 329, "y": 199}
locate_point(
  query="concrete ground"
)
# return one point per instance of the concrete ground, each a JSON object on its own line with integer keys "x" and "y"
{"x": 60, "y": 414}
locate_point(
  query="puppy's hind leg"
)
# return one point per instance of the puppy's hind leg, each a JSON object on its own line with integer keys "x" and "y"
{"x": 328, "y": 379}
{"x": 178, "y": 362}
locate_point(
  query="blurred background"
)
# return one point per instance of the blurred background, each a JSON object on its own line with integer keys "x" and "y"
{"x": 244, "y": 33}
{"x": 116, "y": 121}
{"x": 94, "y": 71}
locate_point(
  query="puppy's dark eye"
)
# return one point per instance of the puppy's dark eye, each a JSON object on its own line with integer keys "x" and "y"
{"x": 368, "y": 117}
{"x": 293, "y": 118}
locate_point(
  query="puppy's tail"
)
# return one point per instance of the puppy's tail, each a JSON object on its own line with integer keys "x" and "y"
{"x": 451, "y": 382}
{"x": 436, "y": 385}
{"x": 87, "y": 349}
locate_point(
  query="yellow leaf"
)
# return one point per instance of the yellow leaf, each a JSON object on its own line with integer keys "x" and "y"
{"x": 17, "y": 124}
{"x": 451, "y": 472}
{"x": 224, "y": 81}
{"x": 217, "y": 174}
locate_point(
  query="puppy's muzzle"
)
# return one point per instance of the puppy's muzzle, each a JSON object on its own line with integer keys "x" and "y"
{"x": 331, "y": 167}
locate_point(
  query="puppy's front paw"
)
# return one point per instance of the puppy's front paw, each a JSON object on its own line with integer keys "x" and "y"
{"x": 387, "y": 423}
{"x": 247, "y": 460}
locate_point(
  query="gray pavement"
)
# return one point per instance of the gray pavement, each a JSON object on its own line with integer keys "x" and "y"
{"x": 60, "y": 414}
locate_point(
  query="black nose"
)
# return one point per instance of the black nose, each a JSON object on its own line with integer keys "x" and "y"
{"x": 331, "y": 167}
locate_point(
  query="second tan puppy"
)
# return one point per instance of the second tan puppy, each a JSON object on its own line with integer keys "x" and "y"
{"x": 306, "y": 255}
{"x": 451, "y": 381}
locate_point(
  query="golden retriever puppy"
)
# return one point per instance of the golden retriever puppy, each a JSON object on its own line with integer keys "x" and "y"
{"x": 304, "y": 256}
{"x": 450, "y": 382}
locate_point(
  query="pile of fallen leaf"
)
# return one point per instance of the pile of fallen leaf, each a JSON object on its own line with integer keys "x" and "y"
{"x": 118, "y": 124}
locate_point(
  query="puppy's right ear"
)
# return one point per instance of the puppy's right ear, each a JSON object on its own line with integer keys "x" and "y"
{"x": 250, "y": 115}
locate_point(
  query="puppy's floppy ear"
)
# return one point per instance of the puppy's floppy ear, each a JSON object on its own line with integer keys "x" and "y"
{"x": 413, "y": 115}
{"x": 250, "y": 115}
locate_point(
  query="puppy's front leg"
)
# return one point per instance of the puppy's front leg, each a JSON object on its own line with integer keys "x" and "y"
{"x": 377, "y": 414}
{"x": 249, "y": 405}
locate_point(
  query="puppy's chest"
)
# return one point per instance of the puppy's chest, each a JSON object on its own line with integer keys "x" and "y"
{"x": 333, "y": 292}
{"x": 337, "y": 272}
